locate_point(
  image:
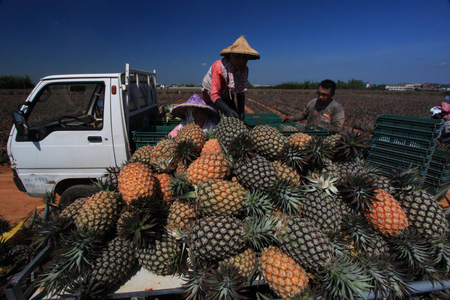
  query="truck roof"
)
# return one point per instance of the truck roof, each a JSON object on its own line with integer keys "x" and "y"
{"x": 88, "y": 75}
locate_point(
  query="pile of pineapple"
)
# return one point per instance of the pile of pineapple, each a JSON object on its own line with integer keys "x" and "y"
{"x": 229, "y": 207}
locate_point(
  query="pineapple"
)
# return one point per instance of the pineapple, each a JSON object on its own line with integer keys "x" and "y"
{"x": 216, "y": 238}
{"x": 320, "y": 204}
{"x": 299, "y": 139}
{"x": 70, "y": 212}
{"x": 256, "y": 173}
{"x": 164, "y": 156}
{"x": 99, "y": 212}
{"x": 245, "y": 261}
{"x": 424, "y": 213}
{"x": 136, "y": 181}
{"x": 268, "y": 141}
{"x": 331, "y": 140}
{"x": 220, "y": 197}
{"x": 211, "y": 146}
{"x": 380, "y": 208}
{"x": 180, "y": 216}
{"x": 287, "y": 173}
{"x": 113, "y": 264}
{"x": 163, "y": 189}
{"x": 161, "y": 256}
{"x": 288, "y": 128}
{"x": 142, "y": 155}
{"x": 228, "y": 129}
{"x": 194, "y": 133}
{"x": 284, "y": 275}
{"x": 422, "y": 209}
{"x": 209, "y": 166}
{"x": 305, "y": 243}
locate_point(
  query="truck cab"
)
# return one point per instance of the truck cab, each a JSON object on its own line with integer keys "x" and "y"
{"x": 72, "y": 127}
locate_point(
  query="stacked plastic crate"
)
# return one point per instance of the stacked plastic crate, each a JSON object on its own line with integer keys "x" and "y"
{"x": 401, "y": 142}
{"x": 438, "y": 174}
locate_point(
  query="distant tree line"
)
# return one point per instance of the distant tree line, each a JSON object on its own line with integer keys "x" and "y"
{"x": 352, "y": 84}
{"x": 15, "y": 82}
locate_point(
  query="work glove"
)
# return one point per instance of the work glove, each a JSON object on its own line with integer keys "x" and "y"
{"x": 241, "y": 107}
{"x": 286, "y": 118}
{"x": 225, "y": 108}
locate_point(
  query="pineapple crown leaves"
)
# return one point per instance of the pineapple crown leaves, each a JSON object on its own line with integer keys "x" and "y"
{"x": 359, "y": 191}
{"x": 74, "y": 259}
{"x": 351, "y": 144}
{"x": 187, "y": 151}
{"x": 210, "y": 133}
{"x": 257, "y": 204}
{"x": 5, "y": 225}
{"x": 386, "y": 279}
{"x": 225, "y": 283}
{"x": 259, "y": 232}
{"x": 295, "y": 157}
{"x": 405, "y": 179}
{"x": 322, "y": 181}
{"x": 180, "y": 185}
{"x": 440, "y": 247}
{"x": 358, "y": 230}
{"x": 344, "y": 278}
{"x": 414, "y": 252}
{"x": 286, "y": 196}
{"x": 241, "y": 147}
{"x": 195, "y": 280}
{"x": 137, "y": 228}
{"x": 317, "y": 153}
{"x": 48, "y": 232}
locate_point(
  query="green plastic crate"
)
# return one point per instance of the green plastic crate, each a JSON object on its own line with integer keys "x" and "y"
{"x": 150, "y": 135}
{"x": 401, "y": 140}
{"x": 254, "y": 119}
{"x": 410, "y": 123}
{"x": 406, "y": 133}
{"x": 312, "y": 130}
{"x": 401, "y": 157}
{"x": 402, "y": 149}
{"x": 441, "y": 157}
{"x": 173, "y": 122}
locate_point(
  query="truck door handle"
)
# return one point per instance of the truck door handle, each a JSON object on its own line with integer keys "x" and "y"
{"x": 95, "y": 139}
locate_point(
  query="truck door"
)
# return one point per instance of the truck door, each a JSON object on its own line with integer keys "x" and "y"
{"x": 69, "y": 135}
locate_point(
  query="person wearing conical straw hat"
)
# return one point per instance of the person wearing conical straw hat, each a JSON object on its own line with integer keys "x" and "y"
{"x": 196, "y": 111}
{"x": 226, "y": 80}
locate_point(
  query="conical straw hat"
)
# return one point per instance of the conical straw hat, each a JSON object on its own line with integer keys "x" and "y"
{"x": 195, "y": 101}
{"x": 241, "y": 47}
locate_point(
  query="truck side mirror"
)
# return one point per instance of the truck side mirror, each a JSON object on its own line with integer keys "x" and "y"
{"x": 20, "y": 123}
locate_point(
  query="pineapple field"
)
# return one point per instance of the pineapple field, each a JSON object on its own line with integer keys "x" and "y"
{"x": 244, "y": 212}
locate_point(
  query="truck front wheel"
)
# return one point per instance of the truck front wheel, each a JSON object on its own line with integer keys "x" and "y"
{"x": 75, "y": 192}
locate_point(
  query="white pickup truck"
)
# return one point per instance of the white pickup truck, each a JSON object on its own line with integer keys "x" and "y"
{"x": 72, "y": 127}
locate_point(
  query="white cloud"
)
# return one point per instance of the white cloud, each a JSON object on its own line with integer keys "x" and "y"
{"x": 203, "y": 64}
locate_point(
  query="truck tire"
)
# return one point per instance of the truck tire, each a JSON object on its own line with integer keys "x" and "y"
{"x": 75, "y": 192}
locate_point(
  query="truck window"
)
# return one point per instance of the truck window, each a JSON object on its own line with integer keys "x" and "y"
{"x": 57, "y": 100}
{"x": 138, "y": 96}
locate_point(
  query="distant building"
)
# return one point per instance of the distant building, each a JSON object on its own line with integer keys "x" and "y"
{"x": 403, "y": 87}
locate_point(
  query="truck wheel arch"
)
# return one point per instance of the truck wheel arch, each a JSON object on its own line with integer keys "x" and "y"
{"x": 75, "y": 192}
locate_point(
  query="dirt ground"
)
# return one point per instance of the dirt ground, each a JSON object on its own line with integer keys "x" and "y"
{"x": 14, "y": 205}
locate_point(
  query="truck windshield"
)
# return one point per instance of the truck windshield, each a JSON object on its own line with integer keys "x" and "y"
{"x": 57, "y": 100}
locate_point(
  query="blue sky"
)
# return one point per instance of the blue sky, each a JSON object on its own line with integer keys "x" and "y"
{"x": 376, "y": 41}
